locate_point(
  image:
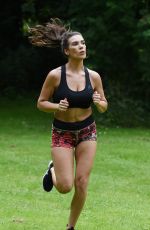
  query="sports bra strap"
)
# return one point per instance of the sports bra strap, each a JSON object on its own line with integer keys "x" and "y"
{"x": 63, "y": 71}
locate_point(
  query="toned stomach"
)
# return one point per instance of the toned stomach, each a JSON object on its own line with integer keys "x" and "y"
{"x": 73, "y": 114}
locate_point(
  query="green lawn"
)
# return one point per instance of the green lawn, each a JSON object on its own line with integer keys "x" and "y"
{"x": 119, "y": 190}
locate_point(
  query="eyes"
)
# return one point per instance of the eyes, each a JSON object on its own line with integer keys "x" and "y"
{"x": 76, "y": 43}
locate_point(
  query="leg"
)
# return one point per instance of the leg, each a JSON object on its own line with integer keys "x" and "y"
{"x": 63, "y": 171}
{"x": 84, "y": 154}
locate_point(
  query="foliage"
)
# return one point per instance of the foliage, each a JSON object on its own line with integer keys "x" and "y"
{"x": 118, "y": 41}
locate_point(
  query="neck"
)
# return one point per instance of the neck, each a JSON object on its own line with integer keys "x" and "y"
{"x": 75, "y": 65}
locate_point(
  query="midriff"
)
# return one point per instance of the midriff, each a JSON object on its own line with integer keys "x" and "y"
{"x": 73, "y": 114}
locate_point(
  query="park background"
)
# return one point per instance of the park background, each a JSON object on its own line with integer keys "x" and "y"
{"x": 117, "y": 35}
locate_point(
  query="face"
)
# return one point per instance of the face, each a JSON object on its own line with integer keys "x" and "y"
{"x": 76, "y": 47}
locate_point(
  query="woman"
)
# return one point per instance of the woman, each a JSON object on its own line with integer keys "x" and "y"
{"x": 68, "y": 92}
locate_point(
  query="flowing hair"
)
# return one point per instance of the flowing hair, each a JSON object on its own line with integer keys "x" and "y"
{"x": 53, "y": 34}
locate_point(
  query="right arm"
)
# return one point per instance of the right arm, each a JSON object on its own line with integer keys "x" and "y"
{"x": 46, "y": 94}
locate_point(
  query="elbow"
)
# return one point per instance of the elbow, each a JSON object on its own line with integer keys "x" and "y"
{"x": 103, "y": 111}
{"x": 105, "y": 107}
{"x": 102, "y": 106}
{"x": 39, "y": 105}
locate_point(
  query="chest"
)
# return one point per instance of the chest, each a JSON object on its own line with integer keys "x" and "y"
{"x": 76, "y": 88}
{"x": 76, "y": 83}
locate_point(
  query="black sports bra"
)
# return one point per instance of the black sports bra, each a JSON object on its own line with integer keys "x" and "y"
{"x": 76, "y": 99}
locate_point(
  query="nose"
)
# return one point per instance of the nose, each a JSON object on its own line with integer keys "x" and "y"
{"x": 81, "y": 46}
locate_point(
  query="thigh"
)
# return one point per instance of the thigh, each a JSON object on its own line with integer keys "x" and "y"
{"x": 63, "y": 159}
{"x": 84, "y": 155}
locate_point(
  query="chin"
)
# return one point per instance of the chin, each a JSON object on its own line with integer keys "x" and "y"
{"x": 82, "y": 57}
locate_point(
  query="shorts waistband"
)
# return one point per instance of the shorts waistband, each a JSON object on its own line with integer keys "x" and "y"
{"x": 73, "y": 125}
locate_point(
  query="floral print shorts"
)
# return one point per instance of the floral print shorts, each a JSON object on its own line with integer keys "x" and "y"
{"x": 71, "y": 138}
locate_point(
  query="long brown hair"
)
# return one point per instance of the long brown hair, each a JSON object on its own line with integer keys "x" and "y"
{"x": 52, "y": 34}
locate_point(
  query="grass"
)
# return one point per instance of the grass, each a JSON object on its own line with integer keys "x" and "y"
{"x": 119, "y": 189}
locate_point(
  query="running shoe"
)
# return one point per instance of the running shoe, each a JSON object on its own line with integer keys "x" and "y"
{"x": 71, "y": 228}
{"x": 47, "y": 178}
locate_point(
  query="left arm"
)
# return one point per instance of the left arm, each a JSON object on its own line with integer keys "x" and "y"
{"x": 99, "y": 98}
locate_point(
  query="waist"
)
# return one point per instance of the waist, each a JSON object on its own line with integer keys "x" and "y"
{"x": 73, "y": 125}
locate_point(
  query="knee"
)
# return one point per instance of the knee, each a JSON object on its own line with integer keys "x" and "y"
{"x": 64, "y": 186}
{"x": 81, "y": 183}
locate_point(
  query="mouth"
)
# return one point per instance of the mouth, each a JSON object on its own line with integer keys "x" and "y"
{"x": 82, "y": 53}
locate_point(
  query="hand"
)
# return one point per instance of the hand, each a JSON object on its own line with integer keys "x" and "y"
{"x": 96, "y": 98}
{"x": 63, "y": 105}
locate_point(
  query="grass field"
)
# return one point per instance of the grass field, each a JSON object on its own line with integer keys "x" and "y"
{"x": 119, "y": 190}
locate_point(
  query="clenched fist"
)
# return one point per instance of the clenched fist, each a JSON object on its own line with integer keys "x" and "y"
{"x": 96, "y": 98}
{"x": 63, "y": 105}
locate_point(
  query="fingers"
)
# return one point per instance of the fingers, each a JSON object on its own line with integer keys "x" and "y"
{"x": 96, "y": 97}
{"x": 63, "y": 105}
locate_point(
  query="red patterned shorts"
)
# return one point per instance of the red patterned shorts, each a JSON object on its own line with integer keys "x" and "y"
{"x": 71, "y": 138}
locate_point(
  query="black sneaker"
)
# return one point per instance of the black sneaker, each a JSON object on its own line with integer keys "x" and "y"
{"x": 47, "y": 178}
{"x": 71, "y": 228}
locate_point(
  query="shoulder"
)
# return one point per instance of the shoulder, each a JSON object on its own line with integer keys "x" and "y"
{"x": 94, "y": 76}
{"x": 54, "y": 75}
{"x": 95, "y": 79}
